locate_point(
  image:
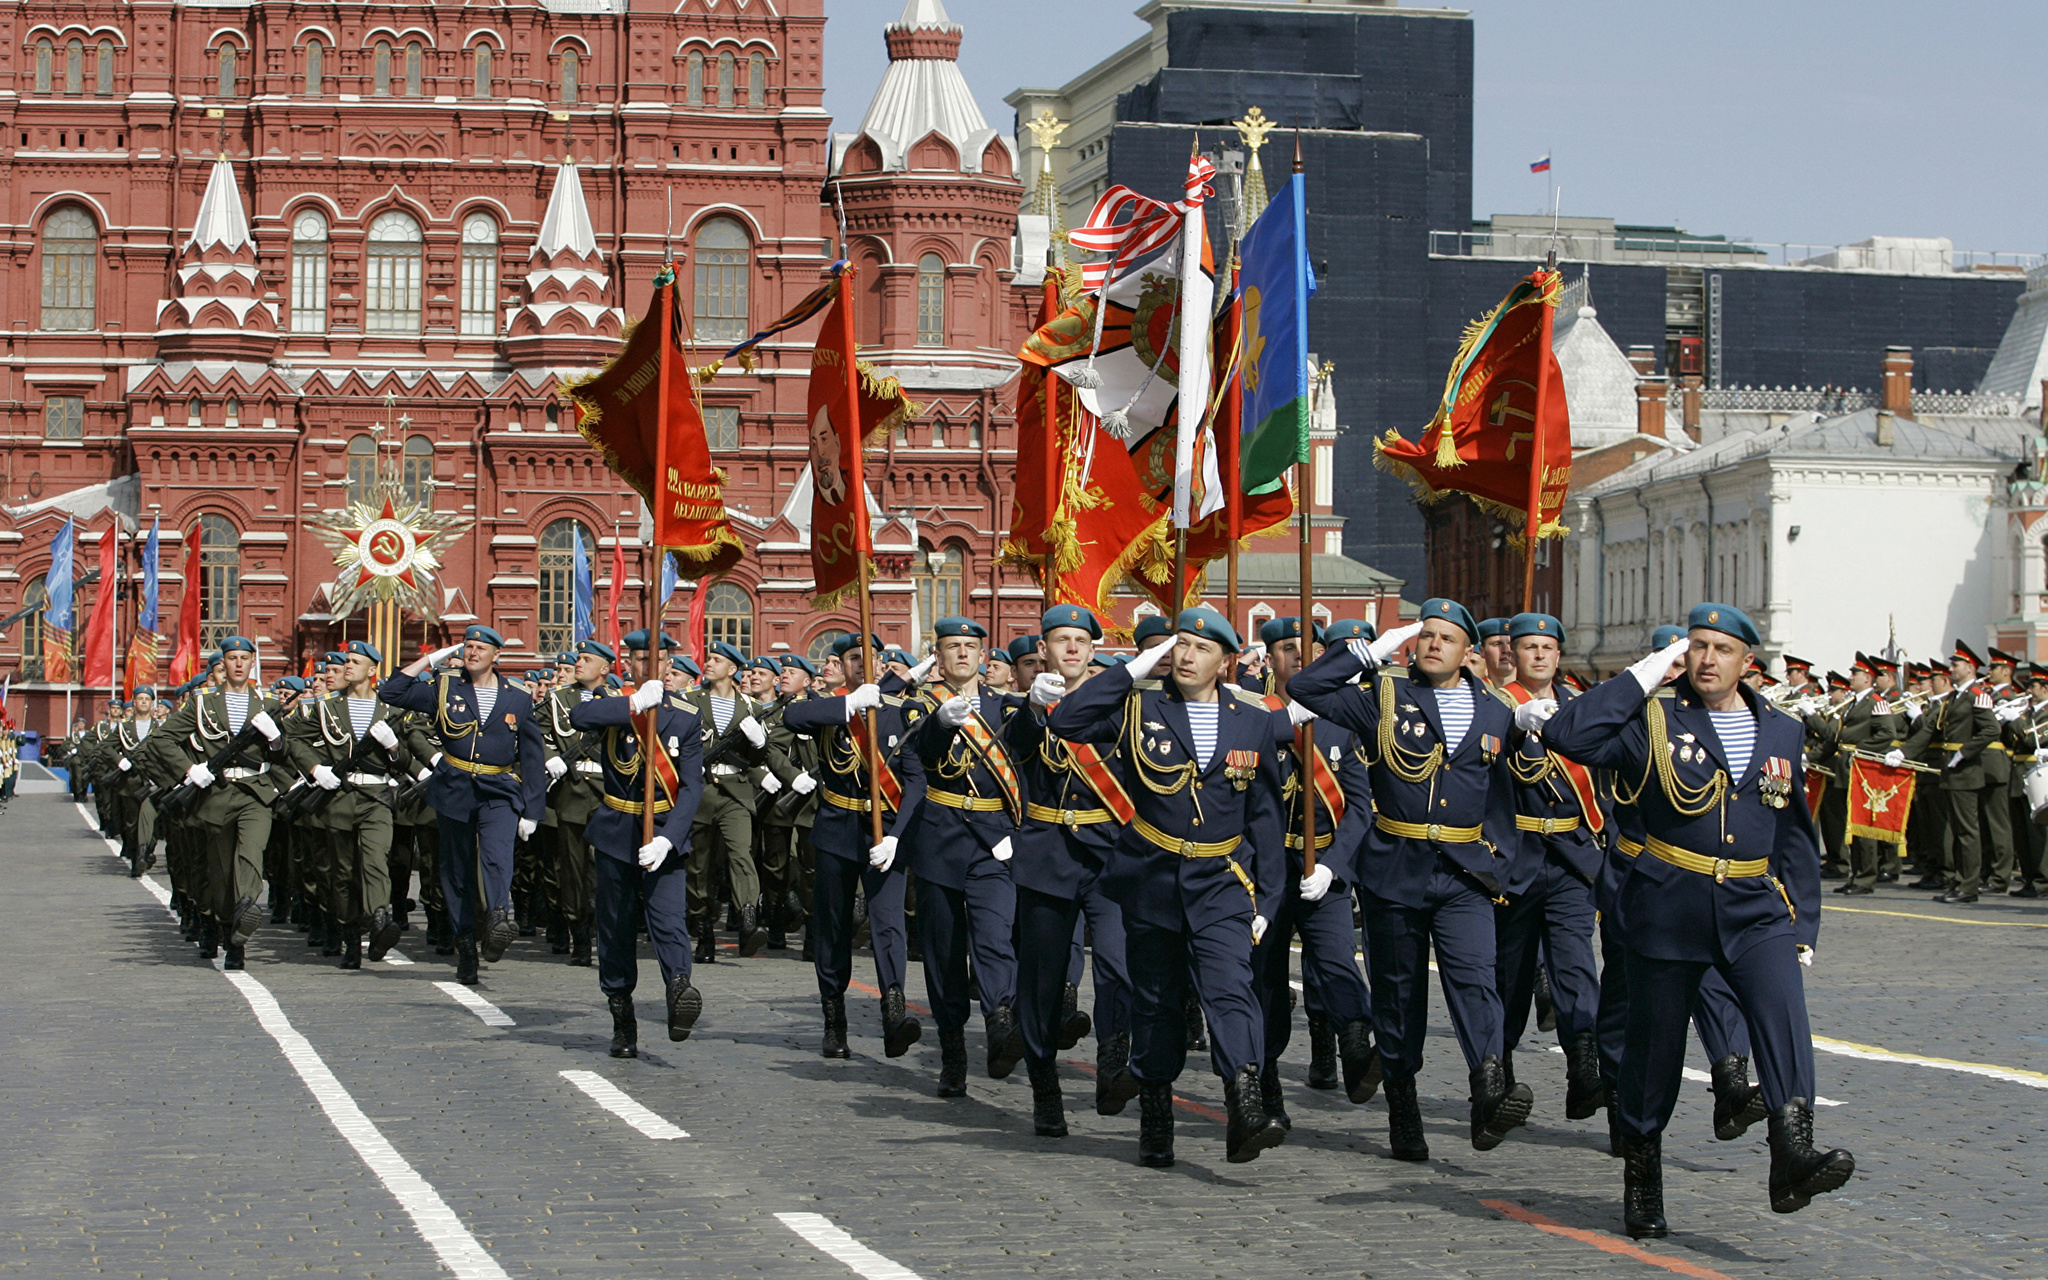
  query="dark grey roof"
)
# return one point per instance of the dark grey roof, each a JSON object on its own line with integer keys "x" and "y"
{"x": 1849, "y": 435}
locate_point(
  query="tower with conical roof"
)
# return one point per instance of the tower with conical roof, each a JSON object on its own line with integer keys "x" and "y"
{"x": 218, "y": 309}
{"x": 562, "y": 320}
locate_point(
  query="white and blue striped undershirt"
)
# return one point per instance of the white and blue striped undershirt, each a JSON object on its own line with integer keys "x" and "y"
{"x": 1737, "y": 731}
{"x": 721, "y": 711}
{"x": 361, "y": 712}
{"x": 486, "y": 700}
{"x": 1454, "y": 708}
{"x": 238, "y": 709}
{"x": 1202, "y": 726}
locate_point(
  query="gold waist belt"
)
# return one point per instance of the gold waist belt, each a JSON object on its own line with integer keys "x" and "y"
{"x": 1629, "y": 847}
{"x": 1185, "y": 848}
{"x": 1545, "y": 826}
{"x": 636, "y": 806}
{"x": 848, "y": 802}
{"x": 1067, "y": 817}
{"x": 1435, "y": 832}
{"x": 1719, "y": 868}
{"x": 1323, "y": 841}
{"x": 954, "y": 800}
{"x": 471, "y": 766}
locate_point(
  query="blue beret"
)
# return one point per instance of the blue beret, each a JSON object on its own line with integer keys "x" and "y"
{"x": 1725, "y": 618}
{"x": 638, "y": 639}
{"x": 998, "y": 655}
{"x": 1491, "y": 627}
{"x": 1070, "y": 615}
{"x": 849, "y": 640}
{"x": 897, "y": 655}
{"x": 237, "y": 644}
{"x": 595, "y": 650}
{"x": 945, "y": 627}
{"x": 1535, "y": 624}
{"x": 1023, "y": 647}
{"x": 613, "y": 682}
{"x": 334, "y": 657}
{"x": 1150, "y": 625}
{"x": 1664, "y": 635}
{"x": 1210, "y": 625}
{"x": 1450, "y": 611}
{"x": 1350, "y": 629}
{"x": 1288, "y": 628}
{"x": 364, "y": 649}
{"x": 687, "y": 665}
{"x": 726, "y": 651}
{"x": 770, "y": 665}
{"x": 478, "y": 631}
{"x": 565, "y": 658}
{"x": 144, "y": 690}
{"x": 297, "y": 684}
{"x": 800, "y": 662}
{"x": 1106, "y": 660}
{"x": 213, "y": 659}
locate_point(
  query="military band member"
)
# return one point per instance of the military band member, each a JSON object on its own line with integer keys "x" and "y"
{"x": 575, "y": 791}
{"x": 796, "y": 761}
{"x": 1195, "y": 870}
{"x": 1729, "y": 881}
{"x": 489, "y": 786}
{"x": 1952, "y": 735}
{"x": 2026, "y": 732}
{"x": 722, "y": 839}
{"x": 1863, "y": 724}
{"x": 2001, "y": 838}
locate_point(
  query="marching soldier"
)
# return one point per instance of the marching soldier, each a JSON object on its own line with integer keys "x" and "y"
{"x": 1729, "y": 880}
{"x": 795, "y": 761}
{"x": 74, "y": 746}
{"x": 2026, "y": 732}
{"x": 131, "y": 786}
{"x": 1195, "y": 870}
{"x": 489, "y": 786}
{"x": 1496, "y": 652}
{"x": 1952, "y": 735}
{"x": 575, "y": 792}
{"x": 2001, "y": 838}
{"x": 722, "y": 837}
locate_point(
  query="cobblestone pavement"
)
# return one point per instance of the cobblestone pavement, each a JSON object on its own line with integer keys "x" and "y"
{"x": 157, "y": 1119}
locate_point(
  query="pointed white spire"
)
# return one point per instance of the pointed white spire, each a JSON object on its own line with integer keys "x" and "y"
{"x": 924, "y": 13}
{"x": 221, "y": 220}
{"x": 567, "y": 224}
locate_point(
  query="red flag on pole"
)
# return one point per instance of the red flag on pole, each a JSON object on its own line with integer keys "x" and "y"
{"x": 695, "y": 620}
{"x": 1036, "y": 513}
{"x": 185, "y": 652}
{"x": 611, "y": 607}
{"x": 1880, "y": 798}
{"x": 98, "y": 655}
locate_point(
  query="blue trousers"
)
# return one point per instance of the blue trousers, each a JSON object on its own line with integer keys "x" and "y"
{"x": 983, "y": 917}
{"x": 1218, "y": 960}
{"x": 1329, "y": 965}
{"x": 832, "y": 921}
{"x": 1458, "y": 918}
{"x": 1049, "y": 932}
{"x": 1767, "y": 987}
{"x": 623, "y": 889}
{"x": 1555, "y": 917}
{"x": 483, "y": 841}
{"x": 1715, "y": 1015}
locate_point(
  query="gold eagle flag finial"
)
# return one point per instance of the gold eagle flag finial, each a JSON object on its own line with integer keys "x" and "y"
{"x": 1254, "y": 128}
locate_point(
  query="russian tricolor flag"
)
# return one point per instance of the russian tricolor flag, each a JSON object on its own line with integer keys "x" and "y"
{"x": 1540, "y": 166}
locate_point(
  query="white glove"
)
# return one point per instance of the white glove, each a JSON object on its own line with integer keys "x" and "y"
{"x": 922, "y": 669}
{"x": 439, "y": 656}
{"x": 1652, "y": 671}
{"x": 1955, "y": 760}
{"x": 654, "y": 852}
{"x": 126, "y": 764}
{"x": 386, "y": 739}
{"x": 1001, "y": 850}
{"x": 883, "y": 855}
{"x": 1048, "y": 688}
{"x": 770, "y": 783}
{"x": 2006, "y": 713}
{"x": 434, "y": 760}
{"x": 1895, "y": 757}
{"x": 1142, "y": 665}
{"x": 325, "y": 778}
{"x": 1806, "y": 956}
{"x": 803, "y": 784}
{"x": 265, "y": 725}
{"x": 199, "y": 776}
{"x": 1298, "y": 715}
{"x": 527, "y": 826}
{"x": 556, "y": 767}
{"x": 1378, "y": 651}
{"x": 425, "y": 773}
{"x": 649, "y": 693}
{"x": 1258, "y": 929}
{"x": 1535, "y": 713}
{"x": 956, "y": 710}
{"x": 1316, "y": 883}
{"x": 753, "y": 731}
{"x": 862, "y": 699}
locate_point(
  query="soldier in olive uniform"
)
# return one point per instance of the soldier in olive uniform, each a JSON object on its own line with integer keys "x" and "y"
{"x": 796, "y": 762}
{"x": 1952, "y": 736}
{"x": 723, "y": 834}
{"x": 1865, "y": 724}
{"x": 2026, "y": 732}
{"x": 138, "y": 815}
{"x": 575, "y": 789}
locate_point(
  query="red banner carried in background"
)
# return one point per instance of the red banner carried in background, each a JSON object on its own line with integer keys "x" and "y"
{"x": 143, "y": 649}
{"x": 1880, "y": 798}
{"x": 840, "y": 532}
{"x": 1486, "y": 436}
{"x": 1816, "y": 787}
{"x": 96, "y": 656}
{"x": 185, "y": 655}
{"x": 1041, "y": 458}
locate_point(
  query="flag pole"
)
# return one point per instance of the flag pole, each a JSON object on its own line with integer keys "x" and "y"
{"x": 1305, "y": 492}
{"x": 864, "y": 551}
{"x": 1233, "y": 473}
{"x": 650, "y": 740}
{"x": 1534, "y": 521}
{"x": 1055, "y": 461}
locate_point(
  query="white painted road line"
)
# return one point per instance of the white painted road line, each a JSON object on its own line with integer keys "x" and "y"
{"x": 476, "y": 1004}
{"x": 829, "y": 1240}
{"x": 1872, "y": 1053}
{"x": 396, "y": 957}
{"x": 615, "y": 1100}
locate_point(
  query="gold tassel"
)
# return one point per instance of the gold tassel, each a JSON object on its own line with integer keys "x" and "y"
{"x": 1446, "y": 449}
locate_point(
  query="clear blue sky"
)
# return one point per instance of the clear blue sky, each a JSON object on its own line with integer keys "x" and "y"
{"x": 1820, "y": 121}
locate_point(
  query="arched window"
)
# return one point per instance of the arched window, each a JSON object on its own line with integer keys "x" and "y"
{"x": 974, "y": 433}
{"x": 45, "y": 54}
{"x": 316, "y": 65}
{"x": 931, "y": 301}
{"x": 309, "y": 272}
{"x": 480, "y": 275}
{"x": 725, "y": 79}
{"x": 414, "y": 55}
{"x": 103, "y": 70}
{"x": 233, "y": 412}
{"x": 937, "y": 574}
{"x": 757, "y": 81}
{"x": 225, "y": 85}
{"x": 729, "y": 616}
{"x": 570, "y": 68}
{"x": 721, "y": 301}
{"x": 694, "y": 80}
{"x": 392, "y": 275}
{"x": 74, "y": 66}
{"x": 220, "y": 580}
{"x": 362, "y": 466}
{"x": 380, "y": 69}
{"x": 416, "y": 476}
{"x": 821, "y": 645}
{"x": 195, "y": 412}
{"x": 483, "y": 71}
{"x": 71, "y": 251}
{"x": 558, "y": 582}
{"x": 32, "y": 627}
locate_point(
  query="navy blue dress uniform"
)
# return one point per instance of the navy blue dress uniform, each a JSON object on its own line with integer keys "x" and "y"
{"x": 842, "y": 838}
{"x": 1075, "y": 813}
{"x": 490, "y": 777}
{"x": 1550, "y": 894}
{"x": 1729, "y": 880}
{"x": 1431, "y": 867}
{"x": 965, "y": 835}
{"x": 1202, "y": 858}
{"x": 626, "y": 886}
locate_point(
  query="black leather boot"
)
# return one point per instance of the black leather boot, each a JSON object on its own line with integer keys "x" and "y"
{"x": 316, "y": 929}
{"x": 280, "y": 907}
{"x": 625, "y": 1027}
{"x": 1584, "y": 1091}
{"x": 1642, "y": 1187}
{"x": 465, "y": 960}
{"x": 707, "y": 943}
{"x": 953, "y": 1062}
{"x": 1361, "y": 1061}
{"x": 1251, "y": 1129}
{"x": 1048, "y": 1110}
{"x": 558, "y": 937}
{"x": 209, "y": 940}
{"x": 235, "y": 958}
{"x": 835, "y": 1027}
{"x": 1497, "y": 1107}
{"x": 1272, "y": 1098}
{"x": 1322, "y": 1053}
{"x": 383, "y": 933}
{"x": 1798, "y": 1171}
{"x": 1613, "y": 1126}
{"x": 1074, "y": 1021}
{"x": 579, "y": 946}
{"x": 1738, "y": 1104}
{"x": 498, "y": 934}
{"x": 1005, "y": 1042}
{"x": 352, "y": 947}
{"x": 1155, "y": 1124}
{"x": 330, "y": 934}
{"x": 522, "y": 915}
{"x": 684, "y": 1007}
{"x": 899, "y": 1029}
{"x": 752, "y": 936}
{"x": 1546, "y": 1007}
{"x": 248, "y": 917}
{"x": 1114, "y": 1083}
{"x": 1404, "y": 1121}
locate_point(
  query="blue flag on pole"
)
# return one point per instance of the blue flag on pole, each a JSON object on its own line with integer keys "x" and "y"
{"x": 146, "y": 620}
{"x": 584, "y": 625}
{"x": 57, "y": 613}
{"x": 1276, "y": 282}
{"x": 669, "y": 578}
